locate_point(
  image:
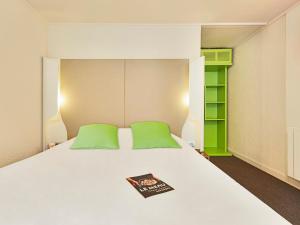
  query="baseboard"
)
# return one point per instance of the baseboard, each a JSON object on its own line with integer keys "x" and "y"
{"x": 271, "y": 171}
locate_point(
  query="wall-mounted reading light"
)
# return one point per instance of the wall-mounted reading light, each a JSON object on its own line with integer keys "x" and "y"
{"x": 60, "y": 100}
{"x": 186, "y": 100}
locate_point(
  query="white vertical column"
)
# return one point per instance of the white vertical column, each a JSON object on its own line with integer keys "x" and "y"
{"x": 193, "y": 129}
{"x": 292, "y": 91}
{"x": 53, "y": 127}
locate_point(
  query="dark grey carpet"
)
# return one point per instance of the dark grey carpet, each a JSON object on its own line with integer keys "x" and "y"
{"x": 283, "y": 198}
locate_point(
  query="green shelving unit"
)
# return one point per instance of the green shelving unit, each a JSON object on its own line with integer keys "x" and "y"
{"x": 217, "y": 62}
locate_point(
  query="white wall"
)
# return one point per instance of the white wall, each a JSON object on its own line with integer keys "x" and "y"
{"x": 111, "y": 41}
{"x": 292, "y": 90}
{"x": 257, "y": 101}
{"x": 293, "y": 68}
{"x": 22, "y": 43}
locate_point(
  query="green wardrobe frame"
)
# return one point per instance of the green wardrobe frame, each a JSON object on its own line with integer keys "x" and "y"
{"x": 217, "y": 62}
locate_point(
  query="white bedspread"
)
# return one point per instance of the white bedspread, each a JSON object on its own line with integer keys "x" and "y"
{"x": 88, "y": 187}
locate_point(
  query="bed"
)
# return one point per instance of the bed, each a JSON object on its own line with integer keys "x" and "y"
{"x": 75, "y": 187}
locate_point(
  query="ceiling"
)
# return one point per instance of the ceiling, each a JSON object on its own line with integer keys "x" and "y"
{"x": 226, "y": 36}
{"x": 161, "y": 11}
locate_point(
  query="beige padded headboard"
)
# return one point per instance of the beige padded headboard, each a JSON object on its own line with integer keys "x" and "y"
{"x": 155, "y": 90}
{"x": 123, "y": 91}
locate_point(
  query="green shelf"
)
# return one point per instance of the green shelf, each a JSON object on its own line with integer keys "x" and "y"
{"x": 215, "y": 110}
{"x": 215, "y": 122}
{"x": 215, "y": 94}
{"x": 214, "y": 85}
{"x": 215, "y": 102}
{"x": 213, "y": 151}
{"x": 214, "y": 119}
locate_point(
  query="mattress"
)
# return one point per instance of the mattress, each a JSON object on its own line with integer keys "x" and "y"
{"x": 88, "y": 187}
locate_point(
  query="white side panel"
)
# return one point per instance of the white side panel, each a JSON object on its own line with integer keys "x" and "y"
{"x": 297, "y": 153}
{"x": 54, "y": 130}
{"x": 51, "y": 70}
{"x": 196, "y": 99}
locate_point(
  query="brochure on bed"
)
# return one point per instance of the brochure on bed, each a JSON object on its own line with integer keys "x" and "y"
{"x": 148, "y": 185}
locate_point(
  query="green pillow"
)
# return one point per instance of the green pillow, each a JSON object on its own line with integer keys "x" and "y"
{"x": 97, "y": 136}
{"x": 152, "y": 135}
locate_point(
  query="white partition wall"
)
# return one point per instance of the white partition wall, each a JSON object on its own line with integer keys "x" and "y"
{"x": 51, "y": 70}
{"x": 292, "y": 90}
{"x": 54, "y": 130}
{"x": 193, "y": 129}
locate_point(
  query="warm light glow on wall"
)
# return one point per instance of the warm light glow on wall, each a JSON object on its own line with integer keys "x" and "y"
{"x": 61, "y": 100}
{"x": 186, "y": 99}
